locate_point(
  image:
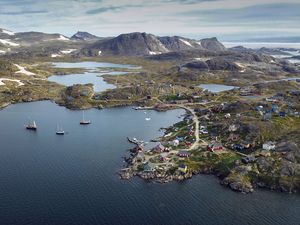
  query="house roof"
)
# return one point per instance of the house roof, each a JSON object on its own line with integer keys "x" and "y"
{"x": 164, "y": 154}
{"x": 269, "y": 143}
{"x": 140, "y": 154}
{"x": 183, "y": 152}
{"x": 215, "y": 144}
{"x": 149, "y": 166}
{"x": 159, "y": 146}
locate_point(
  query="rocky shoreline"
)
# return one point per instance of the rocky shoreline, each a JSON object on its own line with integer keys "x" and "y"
{"x": 237, "y": 179}
{"x": 131, "y": 170}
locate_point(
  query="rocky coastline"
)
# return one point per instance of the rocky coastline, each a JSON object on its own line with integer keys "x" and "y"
{"x": 237, "y": 178}
{"x": 131, "y": 170}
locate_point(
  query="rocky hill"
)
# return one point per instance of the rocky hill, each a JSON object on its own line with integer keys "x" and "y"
{"x": 34, "y": 37}
{"x": 15, "y": 40}
{"x": 84, "y": 36}
{"x": 134, "y": 44}
{"x": 213, "y": 64}
{"x": 212, "y": 44}
{"x": 127, "y": 44}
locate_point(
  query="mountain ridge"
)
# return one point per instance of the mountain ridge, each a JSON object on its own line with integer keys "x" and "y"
{"x": 138, "y": 43}
{"x": 84, "y": 36}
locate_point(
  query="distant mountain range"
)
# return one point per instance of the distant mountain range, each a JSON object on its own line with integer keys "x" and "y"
{"x": 84, "y": 36}
{"x": 203, "y": 55}
{"x": 13, "y": 40}
{"x": 131, "y": 44}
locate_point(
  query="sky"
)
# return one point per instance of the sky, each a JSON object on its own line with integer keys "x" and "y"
{"x": 225, "y": 19}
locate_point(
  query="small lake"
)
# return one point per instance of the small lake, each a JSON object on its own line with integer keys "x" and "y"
{"x": 71, "y": 180}
{"x": 216, "y": 88}
{"x": 91, "y": 76}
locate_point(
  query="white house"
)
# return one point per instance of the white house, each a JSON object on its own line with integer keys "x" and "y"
{"x": 227, "y": 115}
{"x": 269, "y": 145}
{"x": 175, "y": 143}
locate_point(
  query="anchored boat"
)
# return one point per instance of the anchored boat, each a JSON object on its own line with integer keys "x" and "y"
{"x": 135, "y": 141}
{"x": 84, "y": 121}
{"x": 60, "y": 131}
{"x": 31, "y": 126}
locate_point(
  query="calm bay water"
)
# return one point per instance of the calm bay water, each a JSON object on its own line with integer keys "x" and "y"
{"x": 71, "y": 179}
{"x": 91, "y": 76}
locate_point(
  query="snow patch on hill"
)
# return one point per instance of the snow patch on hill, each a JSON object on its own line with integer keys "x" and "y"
{"x": 186, "y": 42}
{"x": 24, "y": 71}
{"x": 13, "y": 80}
{"x": 8, "y": 32}
{"x": 7, "y": 42}
{"x": 63, "y": 38}
{"x": 56, "y": 55}
{"x": 67, "y": 51}
{"x": 154, "y": 53}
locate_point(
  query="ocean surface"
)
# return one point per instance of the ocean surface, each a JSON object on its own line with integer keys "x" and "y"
{"x": 91, "y": 76}
{"x": 262, "y": 44}
{"x": 71, "y": 179}
{"x": 257, "y": 45}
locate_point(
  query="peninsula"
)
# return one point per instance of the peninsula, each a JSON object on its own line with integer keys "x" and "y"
{"x": 242, "y": 105}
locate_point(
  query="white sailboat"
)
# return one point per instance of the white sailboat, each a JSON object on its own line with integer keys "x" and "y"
{"x": 31, "y": 126}
{"x": 59, "y": 130}
{"x": 84, "y": 121}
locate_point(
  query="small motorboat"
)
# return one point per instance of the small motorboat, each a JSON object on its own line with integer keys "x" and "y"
{"x": 135, "y": 141}
{"x": 147, "y": 118}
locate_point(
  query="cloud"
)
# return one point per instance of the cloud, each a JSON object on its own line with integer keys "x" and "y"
{"x": 104, "y": 9}
{"x": 23, "y": 12}
{"x": 168, "y": 17}
{"x": 259, "y": 13}
{"x": 188, "y": 1}
{"x": 111, "y": 8}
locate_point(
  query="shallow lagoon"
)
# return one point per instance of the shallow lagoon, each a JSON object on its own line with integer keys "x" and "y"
{"x": 91, "y": 76}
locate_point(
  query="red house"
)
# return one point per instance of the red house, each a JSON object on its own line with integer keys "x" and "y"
{"x": 215, "y": 146}
{"x": 188, "y": 144}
